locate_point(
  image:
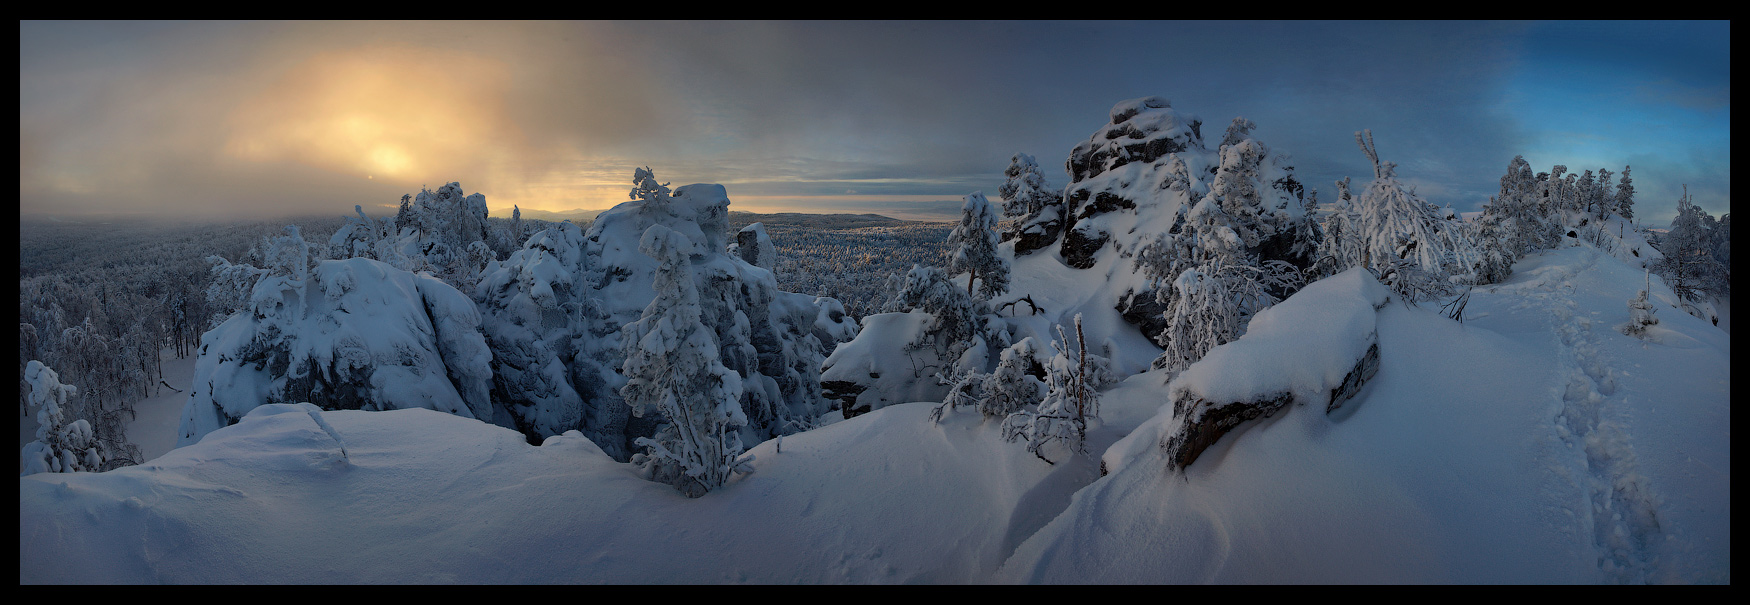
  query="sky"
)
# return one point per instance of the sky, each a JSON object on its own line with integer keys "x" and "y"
{"x": 263, "y": 119}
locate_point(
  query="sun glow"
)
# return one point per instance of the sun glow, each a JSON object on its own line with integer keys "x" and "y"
{"x": 389, "y": 111}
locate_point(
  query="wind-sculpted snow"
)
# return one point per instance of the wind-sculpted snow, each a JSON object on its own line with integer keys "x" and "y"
{"x": 354, "y": 334}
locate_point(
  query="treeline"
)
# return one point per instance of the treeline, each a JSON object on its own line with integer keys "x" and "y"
{"x": 99, "y": 301}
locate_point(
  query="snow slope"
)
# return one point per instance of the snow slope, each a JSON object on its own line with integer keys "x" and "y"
{"x": 1506, "y": 449}
{"x": 1533, "y": 443}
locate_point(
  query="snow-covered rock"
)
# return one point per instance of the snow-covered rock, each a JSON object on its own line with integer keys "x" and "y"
{"x": 353, "y": 334}
{"x": 1318, "y": 347}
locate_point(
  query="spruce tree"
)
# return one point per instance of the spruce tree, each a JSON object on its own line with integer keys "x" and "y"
{"x": 672, "y": 367}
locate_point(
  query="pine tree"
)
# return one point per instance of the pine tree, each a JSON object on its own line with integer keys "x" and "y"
{"x": 1601, "y": 195}
{"x": 1237, "y": 188}
{"x": 1237, "y": 131}
{"x": 1623, "y": 203}
{"x": 974, "y": 245}
{"x": 672, "y": 367}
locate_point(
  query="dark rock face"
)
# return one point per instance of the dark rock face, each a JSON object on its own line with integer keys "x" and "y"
{"x": 1140, "y": 309}
{"x": 1037, "y": 236}
{"x": 1103, "y": 202}
{"x": 748, "y": 243}
{"x": 1079, "y": 247}
{"x": 1209, "y": 421}
{"x": 845, "y": 393}
{"x": 1363, "y": 372}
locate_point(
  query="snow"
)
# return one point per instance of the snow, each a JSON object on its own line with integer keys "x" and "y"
{"x": 1533, "y": 443}
{"x": 269, "y": 501}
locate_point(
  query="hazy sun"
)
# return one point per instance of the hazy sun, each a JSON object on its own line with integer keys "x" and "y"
{"x": 399, "y": 112}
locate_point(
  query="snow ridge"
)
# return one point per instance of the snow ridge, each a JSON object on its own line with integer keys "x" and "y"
{"x": 1622, "y": 509}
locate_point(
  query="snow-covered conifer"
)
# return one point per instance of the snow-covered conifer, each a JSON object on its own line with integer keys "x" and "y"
{"x": 1237, "y": 188}
{"x": 1237, "y": 131}
{"x": 60, "y": 446}
{"x": 1026, "y": 192}
{"x": 672, "y": 367}
{"x": 955, "y": 322}
{"x": 974, "y": 245}
{"x": 1689, "y": 265}
{"x": 1624, "y": 201}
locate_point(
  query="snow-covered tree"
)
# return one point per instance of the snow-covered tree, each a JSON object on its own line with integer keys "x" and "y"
{"x": 956, "y": 319}
{"x": 1026, "y": 193}
{"x": 359, "y": 237}
{"x": 1404, "y": 239}
{"x": 1237, "y": 188}
{"x": 60, "y": 446}
{"x": 1307, "y": 232}
{"x": 1494, "y": 259}
{"x": 1208, "y": 284}
{"x": 1239, "y": 130}
{"x": 1689, "y": 265}
{"x": 965, "y": 388}
{"x": 974, "y": 245}
{"x": 1599, "y": 203}
{"x": 672, "y": 367}
{"x": 1623, "y": 202}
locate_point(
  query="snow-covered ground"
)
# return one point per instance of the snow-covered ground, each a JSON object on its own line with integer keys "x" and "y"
{"x": 1533, "y": 443}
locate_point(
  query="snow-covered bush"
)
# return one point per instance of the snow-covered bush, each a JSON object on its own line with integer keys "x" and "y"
{"x": 1215, "y": 285}
{"x": 1017, "y": 381}
{"x": 1071, "y": 399}
{"x": 672, "y": 367}
{"x": 1640, "y": 315}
